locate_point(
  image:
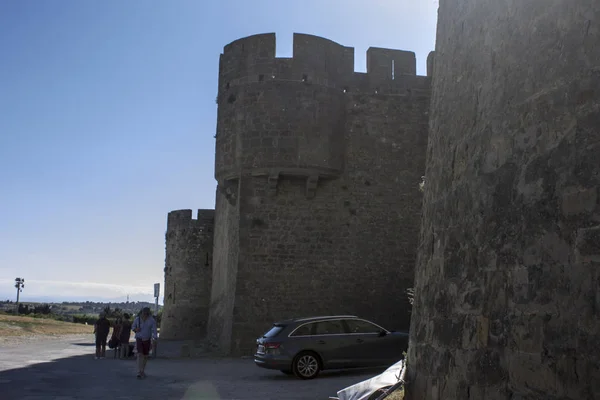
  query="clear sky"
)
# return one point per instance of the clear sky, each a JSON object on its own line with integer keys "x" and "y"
{"x": 107, "y": 118}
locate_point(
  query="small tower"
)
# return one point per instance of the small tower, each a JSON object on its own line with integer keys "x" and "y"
{"x": 188, "y": 273}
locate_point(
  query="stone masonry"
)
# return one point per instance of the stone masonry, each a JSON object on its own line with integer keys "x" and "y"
{"x": 507, "y": 299}
{"x": 317, "y": 206}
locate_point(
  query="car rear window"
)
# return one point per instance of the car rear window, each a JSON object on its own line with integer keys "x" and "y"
{"x": 274, "y": 331}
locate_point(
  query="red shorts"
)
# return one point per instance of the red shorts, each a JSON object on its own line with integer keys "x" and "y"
{"x": 143, "y": 346}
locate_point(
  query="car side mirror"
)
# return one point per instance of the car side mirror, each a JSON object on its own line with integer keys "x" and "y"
{"x": 382, "y": 333}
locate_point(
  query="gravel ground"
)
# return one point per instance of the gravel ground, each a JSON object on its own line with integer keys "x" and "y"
{"x": 63, "y": 368}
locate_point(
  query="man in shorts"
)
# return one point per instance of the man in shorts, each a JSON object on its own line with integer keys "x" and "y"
{"x": 101, "y": 329}
{"x": 144, "y": 327}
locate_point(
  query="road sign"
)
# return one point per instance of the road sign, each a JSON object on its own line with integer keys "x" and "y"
{"x": 157, "y": 290}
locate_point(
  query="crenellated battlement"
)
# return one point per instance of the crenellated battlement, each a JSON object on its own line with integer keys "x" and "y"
{"x": 317, "y": 61}
{"x": 183, "y": 218}
{"x": 288, "y": 116}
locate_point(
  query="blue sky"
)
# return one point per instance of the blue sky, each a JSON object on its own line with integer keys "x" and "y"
{"x": 107, "y": 118}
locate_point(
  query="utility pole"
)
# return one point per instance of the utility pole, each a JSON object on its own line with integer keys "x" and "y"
{"x": 156, "y": 295}
{"x": 19, "y": 284}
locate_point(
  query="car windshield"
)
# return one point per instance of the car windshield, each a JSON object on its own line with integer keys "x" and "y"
{"x": 274, "y": 331}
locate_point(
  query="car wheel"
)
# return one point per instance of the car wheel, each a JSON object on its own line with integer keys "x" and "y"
{"x": 306, "y": 365}
{"x": 288, "y": 372}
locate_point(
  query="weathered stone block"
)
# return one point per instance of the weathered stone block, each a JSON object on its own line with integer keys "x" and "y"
{"x": 588, "y": 244}
{"x": 528, "y": 374}
{"x": 577, "y": 200}
{"x": 475, "y": 332}
{"x": 527, "y": 333}
{"x": 487, "y": 367}
{"x": 448, "y": 332}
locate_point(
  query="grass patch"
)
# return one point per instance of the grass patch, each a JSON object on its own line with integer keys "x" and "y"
{"x": 396, "y": 395}
{"x": 15, "y": 325}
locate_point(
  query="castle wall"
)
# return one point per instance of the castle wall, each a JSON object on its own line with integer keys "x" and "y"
{"x": 288, "y": 243}
{"x": 507, "y": 283}
{"x": 386, "y": 151}
{"x": 226, "y": 259}
{"x": 310, "y": 138}
{"x": 188, "y": 273}
{"x": 328, "y": 163}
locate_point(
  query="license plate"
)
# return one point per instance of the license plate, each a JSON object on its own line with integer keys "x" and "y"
{"x": 261, "y": 349}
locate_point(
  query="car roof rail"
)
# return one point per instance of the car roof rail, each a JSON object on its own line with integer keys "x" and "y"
{"x": 325, "y": 317}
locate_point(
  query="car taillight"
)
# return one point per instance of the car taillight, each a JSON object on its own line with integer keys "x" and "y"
{"x": 273, "y": 348}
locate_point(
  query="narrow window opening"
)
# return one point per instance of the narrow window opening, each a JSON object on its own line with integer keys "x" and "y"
{"x": 227, "y": 85}
{"x": 261, "y": 78}
{"x": 393, "y": 69}
{"x": 345, "y": 90}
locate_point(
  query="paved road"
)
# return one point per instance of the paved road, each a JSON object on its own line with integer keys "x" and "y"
{"x": 65, "y": 369}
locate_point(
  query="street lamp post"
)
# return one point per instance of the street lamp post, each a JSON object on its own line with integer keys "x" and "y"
{"x": 19, "y": 284}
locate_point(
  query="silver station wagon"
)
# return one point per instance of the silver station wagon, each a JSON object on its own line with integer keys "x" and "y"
{"x": 306, "y": 346}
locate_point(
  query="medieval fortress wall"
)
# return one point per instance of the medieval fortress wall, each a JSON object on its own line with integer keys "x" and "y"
{"x": 508, "y": 278}
{"x": 317, "y": 206}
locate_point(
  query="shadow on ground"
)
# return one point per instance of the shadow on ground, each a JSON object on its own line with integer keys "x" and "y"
{"x": 83, "y": 377}
{"x": 332, "y": 374}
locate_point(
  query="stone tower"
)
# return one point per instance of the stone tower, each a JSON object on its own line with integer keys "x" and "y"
{"x": 508, "y": 276}
{"x": 188, "y": 271}
{"x": 318, "y": 207}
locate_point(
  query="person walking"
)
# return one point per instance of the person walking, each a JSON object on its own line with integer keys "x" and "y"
{"x": 124, "y": 336}
{"x": 144, "y": 327}
{"x": 101, "y": 329}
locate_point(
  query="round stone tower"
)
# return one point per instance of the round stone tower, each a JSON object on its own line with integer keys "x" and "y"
{"x": 507, "y": 294}
{"x": 188, "y": 273}
{"x": 281, "y": 116}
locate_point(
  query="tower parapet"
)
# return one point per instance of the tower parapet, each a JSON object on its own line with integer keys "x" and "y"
{"x": 286, "y": 116}
{"x": 386, "y": 64}
{"x": 183, "y": 218}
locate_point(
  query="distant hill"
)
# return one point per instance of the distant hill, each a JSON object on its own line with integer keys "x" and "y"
{"x": 90, "y": 308}
{"x": 80, "y": 299}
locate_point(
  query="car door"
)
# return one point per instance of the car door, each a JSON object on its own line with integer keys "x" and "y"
{"x": 301, "y": 339}
{"x": 330, "y": 340}
{"x": 368, "y": 345}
